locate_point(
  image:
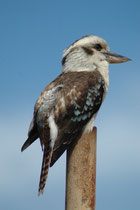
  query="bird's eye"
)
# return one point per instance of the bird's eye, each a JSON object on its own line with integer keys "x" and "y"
{"x": 98, "y": 47}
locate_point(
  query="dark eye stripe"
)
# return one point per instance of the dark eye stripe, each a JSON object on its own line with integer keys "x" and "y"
{"x": 88, "y": 50}
{"x": 98, "y": 47}
{"x": 64, "y": 60}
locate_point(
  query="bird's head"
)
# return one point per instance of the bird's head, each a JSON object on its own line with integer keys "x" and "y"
{"x": 89, "y": 53}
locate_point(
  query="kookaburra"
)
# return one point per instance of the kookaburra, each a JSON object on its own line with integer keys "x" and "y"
{"x": 67, "y": 107}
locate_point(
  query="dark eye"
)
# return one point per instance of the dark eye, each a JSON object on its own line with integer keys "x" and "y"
{"x": 98, "y": 47}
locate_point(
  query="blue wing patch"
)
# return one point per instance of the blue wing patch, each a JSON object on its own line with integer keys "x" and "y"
{"x": 92, "y": 103}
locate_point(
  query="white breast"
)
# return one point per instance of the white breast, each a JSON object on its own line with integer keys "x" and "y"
{"x": 53, "y": 130}
{"x": 89, "y": 126}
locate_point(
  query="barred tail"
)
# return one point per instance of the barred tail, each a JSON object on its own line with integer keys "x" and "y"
{"x": 45, "y": 169}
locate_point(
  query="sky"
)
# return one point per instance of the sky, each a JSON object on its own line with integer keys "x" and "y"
{"x": 33, "y": 35}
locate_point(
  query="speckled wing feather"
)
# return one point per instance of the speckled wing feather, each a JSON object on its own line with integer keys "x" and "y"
{"x": 77, "y": 102}
{"x": 42, "y": 108}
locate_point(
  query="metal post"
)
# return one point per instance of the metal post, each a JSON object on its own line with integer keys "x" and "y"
{"x": 81, "y": 174}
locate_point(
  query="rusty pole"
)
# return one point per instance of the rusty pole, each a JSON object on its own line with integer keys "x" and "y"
{"x": 81, "y": 174}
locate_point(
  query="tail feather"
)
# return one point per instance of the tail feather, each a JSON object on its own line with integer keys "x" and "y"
{"x": 45, "y": 169}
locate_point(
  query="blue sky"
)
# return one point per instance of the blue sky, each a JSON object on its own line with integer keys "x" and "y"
{"x": 33, "y": 35}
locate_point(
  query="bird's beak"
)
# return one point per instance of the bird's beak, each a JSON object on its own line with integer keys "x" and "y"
{"x": 115, "y": 58}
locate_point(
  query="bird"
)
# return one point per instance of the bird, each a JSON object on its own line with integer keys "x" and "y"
{"x": 68, "y": 106}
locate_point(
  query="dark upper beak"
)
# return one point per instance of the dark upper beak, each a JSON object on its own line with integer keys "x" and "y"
{"x": 115, "y": 58}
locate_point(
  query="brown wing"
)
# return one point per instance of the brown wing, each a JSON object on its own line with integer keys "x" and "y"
{"x": 48, "y": 98}
{"x": 77, "y": 102}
